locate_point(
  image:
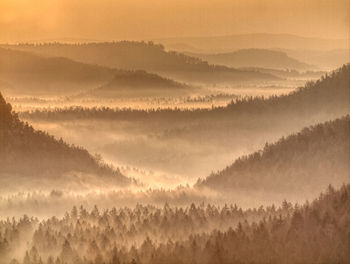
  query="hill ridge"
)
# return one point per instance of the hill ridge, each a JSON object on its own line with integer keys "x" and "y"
{"x": 254, "y": 57}
{"x": 308, "y": 160}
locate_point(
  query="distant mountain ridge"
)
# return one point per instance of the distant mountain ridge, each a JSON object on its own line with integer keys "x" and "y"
{"x": 128, "y": 55}
{"x": 150, "y": 57}
{"x": 29, "y": 73}
{"x": 230, "y": 43}
{"x": 262, "y": 58}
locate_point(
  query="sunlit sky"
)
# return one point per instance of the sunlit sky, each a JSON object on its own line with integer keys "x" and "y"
{"x": 33, "y": 20}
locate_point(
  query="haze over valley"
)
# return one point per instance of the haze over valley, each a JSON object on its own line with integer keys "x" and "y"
{"x": 174, "y": 132}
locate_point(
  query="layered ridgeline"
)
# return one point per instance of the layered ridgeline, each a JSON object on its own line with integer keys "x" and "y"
{"x": 34, "y": 159}
{"x": 326, "y": 54}
{"x": 145, "y": 56}
{"x": 327, "y": 98}
{"x": 25, "y": 73}
{"x": 305, "y": 162}
{"x": 260, "y": 58}
{"x": 195, "y": 142}
{"x": 215, "y": 44}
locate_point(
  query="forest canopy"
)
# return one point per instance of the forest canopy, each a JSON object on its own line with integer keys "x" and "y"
{"x": 318, "y": 231}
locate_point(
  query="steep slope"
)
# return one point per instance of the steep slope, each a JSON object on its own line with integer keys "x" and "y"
{"x": 144, "y": 56}
{"x": 254, "y": 58}
{"x": 30, "y": 158}
{"x": 304, "y": 162}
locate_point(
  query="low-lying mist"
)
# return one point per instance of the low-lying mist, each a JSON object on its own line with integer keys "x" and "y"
{"x": 182, "y": 150}
{"x": 44, "y": 204}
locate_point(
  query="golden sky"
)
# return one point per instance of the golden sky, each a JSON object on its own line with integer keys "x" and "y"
{"x": 31, "y": 20}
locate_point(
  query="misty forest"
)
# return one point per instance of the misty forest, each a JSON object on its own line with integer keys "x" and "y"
{"x": 122, "y": 142}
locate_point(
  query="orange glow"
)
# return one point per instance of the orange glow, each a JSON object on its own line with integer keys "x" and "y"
{"x": 29, "y": 20}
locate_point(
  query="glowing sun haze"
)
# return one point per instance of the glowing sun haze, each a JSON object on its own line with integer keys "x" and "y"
{"x": 30, "y": 20}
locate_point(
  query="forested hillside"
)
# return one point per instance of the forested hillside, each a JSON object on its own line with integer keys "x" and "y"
{"x": 262, "y": 58}
{"x": 329, "y": 94}
{"x": 36, "y": 159}
{"x": 139, "y": 83}
{"x": 311, "y": 233}
{"x": 132, "y": 55}
{"x": 304, "y": 162}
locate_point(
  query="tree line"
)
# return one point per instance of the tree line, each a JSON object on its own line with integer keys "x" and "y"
{"x": 316, "y": 232}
